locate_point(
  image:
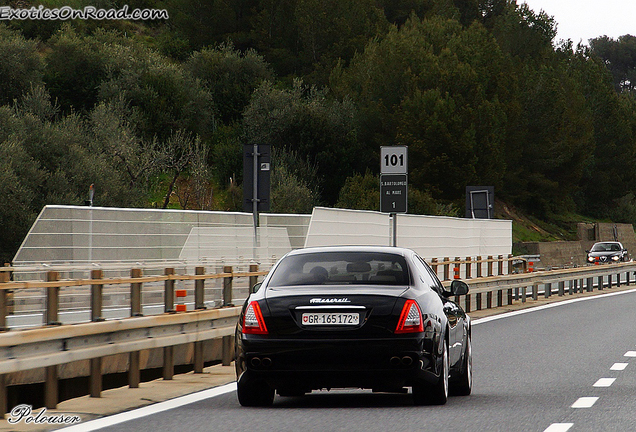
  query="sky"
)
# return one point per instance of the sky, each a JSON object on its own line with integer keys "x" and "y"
{"x": 581, "y": 20}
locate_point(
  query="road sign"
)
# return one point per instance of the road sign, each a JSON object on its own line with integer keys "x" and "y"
{"x": 261, "y": 169}
{"x": 394, "y": 160}
{"x": 393, "y": 193}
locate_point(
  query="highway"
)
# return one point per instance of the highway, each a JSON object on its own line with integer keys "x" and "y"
{"x": 565, "y": 367}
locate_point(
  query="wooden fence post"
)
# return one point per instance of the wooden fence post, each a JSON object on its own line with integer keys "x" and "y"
{"x": 253, "y": 279}
{"x": 446, "y": 268}
{"x": 500, "y": 266}
{"x": 168, "y": 291}
{"x": 490, "y": 259}
{"x": 434, "y": 266}
{"x": 469, "y": 268}
{"x": 52, "y": 309}
{"x": 479, "y": 267}
{"x": 227, "y": 287}
{"x": 199, "y": 289}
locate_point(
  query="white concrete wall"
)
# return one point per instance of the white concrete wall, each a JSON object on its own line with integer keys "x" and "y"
{"x": 429, "y": 236}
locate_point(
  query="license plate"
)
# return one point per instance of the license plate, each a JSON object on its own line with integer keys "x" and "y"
{"x": 322, "y": 318}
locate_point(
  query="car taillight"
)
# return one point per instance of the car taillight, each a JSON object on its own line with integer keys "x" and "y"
{"x": 253, "y": 322}
{"x": 410, "y": 319}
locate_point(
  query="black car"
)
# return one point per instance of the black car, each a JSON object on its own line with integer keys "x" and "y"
{"x": 607, "y": 252}
{"x": 353, "y": 317}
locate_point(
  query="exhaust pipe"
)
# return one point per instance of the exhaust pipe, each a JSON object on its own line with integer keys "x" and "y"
{"x": 256, "y": 362}
{"x": 266, "y": 362}
{"x": 395, "y": 361}
{"x": 407, "y": 361}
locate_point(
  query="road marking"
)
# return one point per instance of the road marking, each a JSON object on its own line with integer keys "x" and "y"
{"x": 548, "y": 306}
{"x": 619, "y": 366}
{"x": 559, "y": 427}
{"x": 630, "y": 354}
{"x": 584, "y": 402}
{"x": 150, "y": 409}
{"x": 604, "y": 382}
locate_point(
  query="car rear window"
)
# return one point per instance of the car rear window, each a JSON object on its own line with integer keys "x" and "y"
{"x": 341, "y": 268}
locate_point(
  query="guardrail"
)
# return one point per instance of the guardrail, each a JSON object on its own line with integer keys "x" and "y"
{"x": 55, "y": 344}
{"x": 504, "y": 290}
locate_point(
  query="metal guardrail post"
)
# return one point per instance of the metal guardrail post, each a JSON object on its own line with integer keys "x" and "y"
{"x": 627, "y": 278}
{"x": 489, "y": 300}
{"x": 509, "y": 296}
{"x": 524, "y": 294}
{"x": 548, "y": 290}
{"x": 52, "y": 299}
{"x": 95, "y": 381}
{"x": 253, "y": 279}
{"x": 198, "y": 357}
{"x": 618, "y": 279}
{"x": 226, "y": 353}
{"x": 490, "y": 265}
{"x": 499, "y": 298}
{"x": 535, "y": 291}
{"x": 478, "y": 299}
{"x": 467, "y": 303}
{"x": 50, "y": 387}
{"x": 590, "y": 284}
{"x": 134, "y": 371}
{"x": 52, "y": 308}
{"x": 600, "y": 283}
{"x": 500, "y": 266}
{"x": 168, "y": 291}
{"x": 4, "y": 278}
{"x": 135, "y": 293}
{"x": 227, "y": 350}
{"x": 227, "y": 287}
{"x": 479, "y": 266}
{"x": 199, "y": 289}
{"x": 168, "y": 296}
{"x": 446, "y": 268}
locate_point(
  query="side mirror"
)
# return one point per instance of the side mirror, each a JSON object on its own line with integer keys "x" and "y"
{"x": 256, "y": 287}
{"x": 459, "y": 288}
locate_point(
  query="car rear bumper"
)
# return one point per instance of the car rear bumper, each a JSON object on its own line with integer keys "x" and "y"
{"x": 312, "y": 364}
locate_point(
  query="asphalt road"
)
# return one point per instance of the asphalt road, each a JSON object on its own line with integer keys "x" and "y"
{"x": 531, "y": 372}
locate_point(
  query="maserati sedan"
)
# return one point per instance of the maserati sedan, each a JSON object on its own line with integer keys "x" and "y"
{"x": 353, "y": 317}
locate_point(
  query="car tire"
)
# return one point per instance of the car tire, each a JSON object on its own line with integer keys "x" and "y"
{"x": 463, "y": 386}
{"x": 253, "y": 393}
{"x": 436, "y": 394}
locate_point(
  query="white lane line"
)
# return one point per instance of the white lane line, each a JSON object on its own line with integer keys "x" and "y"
{"x": 630, "y": 354}
{"x": 619, "y": 366}
{"x": 559, "y": 427}
{"x": 150, "y": 409}
{"x": 584, "y": 402}
{"x": 604, "y": 382}
{"x": 547, "y": 306}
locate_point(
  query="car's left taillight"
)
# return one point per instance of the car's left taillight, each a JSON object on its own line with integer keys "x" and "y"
{"x": 253, "y": 322}
{"x": 410, "y": 319}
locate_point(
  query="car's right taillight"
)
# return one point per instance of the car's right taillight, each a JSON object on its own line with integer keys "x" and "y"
{"x": 410, "y": 319}
{"x": 253, "y": 322}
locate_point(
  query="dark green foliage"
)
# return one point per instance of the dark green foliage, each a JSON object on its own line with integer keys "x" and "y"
{"x": 620, "y": 58}
{"x": 20, "y": 65}
{"x": 230, "y": 76}
{"x": 304, "y": 120}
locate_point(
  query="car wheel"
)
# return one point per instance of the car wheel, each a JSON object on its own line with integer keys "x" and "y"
{"x": 464, "y": 384}
{"x": 254, "y": 393}
{"x": 436, "y": 394}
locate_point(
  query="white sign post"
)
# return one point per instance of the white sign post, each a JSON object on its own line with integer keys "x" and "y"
{"x": 394, "y": 182}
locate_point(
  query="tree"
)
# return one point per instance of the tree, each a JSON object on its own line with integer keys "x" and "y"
{"x": 20, "y": 65}
{"x": 230, "y": 76}
{"x": 304, "y": 120}
{"x": 619, "y": 56}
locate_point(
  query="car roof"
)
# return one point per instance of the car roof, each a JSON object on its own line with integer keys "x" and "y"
{"x": 378, "y": 249}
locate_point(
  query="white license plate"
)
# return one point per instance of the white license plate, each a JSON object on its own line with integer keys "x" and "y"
{"x": 322, "y": 318}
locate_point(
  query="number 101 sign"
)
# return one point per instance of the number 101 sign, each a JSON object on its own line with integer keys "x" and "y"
{"x": 393, "y": 179}
{"x": 393, "y": 160}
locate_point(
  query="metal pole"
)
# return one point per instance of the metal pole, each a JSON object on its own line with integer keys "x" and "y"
{"x": 394, "y": 229}
{"x": 255, "y": 195}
